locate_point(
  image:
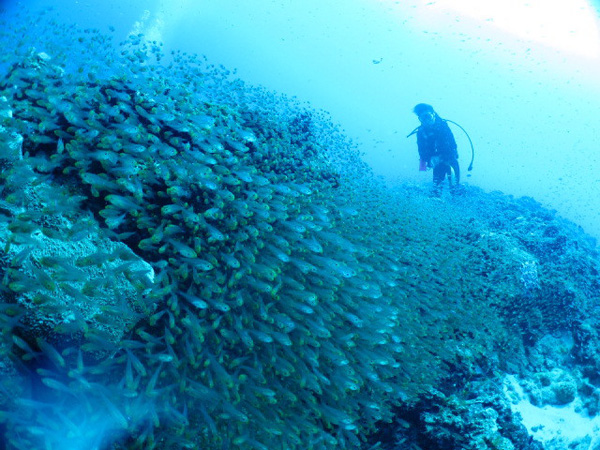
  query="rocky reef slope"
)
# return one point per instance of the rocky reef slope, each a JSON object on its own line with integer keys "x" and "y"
{"x": 536, "y": 384}
{"x": 190, "y": 262}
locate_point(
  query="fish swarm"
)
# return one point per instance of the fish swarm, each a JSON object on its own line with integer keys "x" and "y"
{"x": 283, "y": 309}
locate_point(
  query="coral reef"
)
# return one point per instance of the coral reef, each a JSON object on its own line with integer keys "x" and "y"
{"x": 191, "y": 262}
{"x": 556, "y": 352}
{"x": 266, "y": 321}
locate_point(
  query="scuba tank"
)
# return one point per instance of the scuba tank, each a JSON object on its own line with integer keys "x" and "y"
{"x": 423, "y": 165}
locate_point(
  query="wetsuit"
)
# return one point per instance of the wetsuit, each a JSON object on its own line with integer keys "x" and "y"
{"x": 437, "y": 148}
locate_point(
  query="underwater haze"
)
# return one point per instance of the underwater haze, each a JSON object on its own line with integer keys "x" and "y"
{"x": 520, "y": 77}
{"x": 214, "y": 234}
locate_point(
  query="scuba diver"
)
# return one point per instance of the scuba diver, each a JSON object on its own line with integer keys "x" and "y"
{"x": 437, "y": 149}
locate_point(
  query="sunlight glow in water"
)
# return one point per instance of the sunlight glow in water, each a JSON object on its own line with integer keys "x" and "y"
{"x": 570, "y": 26}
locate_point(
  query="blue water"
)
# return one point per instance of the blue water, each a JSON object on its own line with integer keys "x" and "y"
{"x": 522, "y": 81}
{"x": 528, "y": 101}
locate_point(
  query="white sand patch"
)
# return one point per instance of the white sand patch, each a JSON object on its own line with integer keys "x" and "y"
{"x": 556, "y": 427}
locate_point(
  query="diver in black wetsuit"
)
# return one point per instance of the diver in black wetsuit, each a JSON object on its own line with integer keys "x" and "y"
{"x": 437, "y": 148}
